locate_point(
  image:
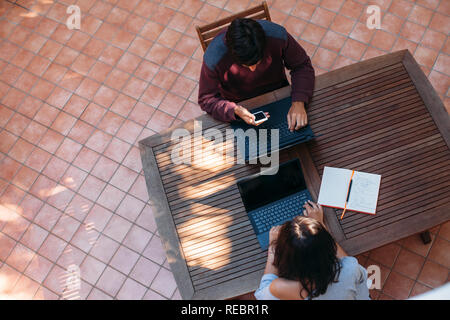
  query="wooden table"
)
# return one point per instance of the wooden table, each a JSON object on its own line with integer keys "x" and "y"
{"x": 380, "y": 116}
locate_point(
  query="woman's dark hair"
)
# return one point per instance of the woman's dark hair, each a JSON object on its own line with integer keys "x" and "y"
{"x": 306, "y": 252}
{"x": 246, "y": 40}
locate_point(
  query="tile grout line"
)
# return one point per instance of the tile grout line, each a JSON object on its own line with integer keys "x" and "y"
{"x": 107, "y": 43}
{"x": 329, "y": 29}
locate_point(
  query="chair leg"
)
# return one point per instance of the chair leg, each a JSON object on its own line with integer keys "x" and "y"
{"x": 426, "y": 237}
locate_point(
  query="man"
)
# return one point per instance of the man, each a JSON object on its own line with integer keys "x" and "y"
{"x": 249, "y": 59}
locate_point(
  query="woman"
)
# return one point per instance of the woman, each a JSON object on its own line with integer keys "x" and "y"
{"x": 304, "y": 262}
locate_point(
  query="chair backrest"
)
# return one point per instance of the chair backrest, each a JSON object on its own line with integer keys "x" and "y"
{"x": 207, "y": 32}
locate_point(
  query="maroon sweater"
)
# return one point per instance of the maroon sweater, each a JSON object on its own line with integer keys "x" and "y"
{"x": 224, "y": 82}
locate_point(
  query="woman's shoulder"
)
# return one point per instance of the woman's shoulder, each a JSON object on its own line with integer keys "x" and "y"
{"x": 349, "y": 261}
{"x": 350, "y": 267}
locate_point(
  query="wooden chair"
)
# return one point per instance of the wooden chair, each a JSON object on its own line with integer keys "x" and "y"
{"x": 207, "y": 32}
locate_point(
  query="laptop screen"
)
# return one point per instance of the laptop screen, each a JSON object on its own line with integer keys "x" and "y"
{"x": 264, "y": 189}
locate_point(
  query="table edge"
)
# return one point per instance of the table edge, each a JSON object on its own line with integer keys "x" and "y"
{"x": 429, "y": 96}
{"x": 164, "y": 221}
{"x": 397, "y": 231}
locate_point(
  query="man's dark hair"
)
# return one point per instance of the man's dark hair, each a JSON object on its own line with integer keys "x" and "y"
{"x": 306, "y": 252}
{"x": 246, "y": 40}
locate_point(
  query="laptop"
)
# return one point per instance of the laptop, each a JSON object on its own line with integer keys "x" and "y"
{"x": 271, "y": 200}
{"x": 278, "y": 111}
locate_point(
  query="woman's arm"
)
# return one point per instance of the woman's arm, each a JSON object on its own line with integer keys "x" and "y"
{"x": 270, "y": 272}
{"x": 273, "y": 235}
{"x": 285, "y": 289}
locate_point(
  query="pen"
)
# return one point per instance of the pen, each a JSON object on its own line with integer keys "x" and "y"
{"x": 349, "y": 190}
{"x": 348, "y": 194}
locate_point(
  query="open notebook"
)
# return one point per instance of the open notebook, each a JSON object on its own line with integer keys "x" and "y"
{"x": 363, "y": 196}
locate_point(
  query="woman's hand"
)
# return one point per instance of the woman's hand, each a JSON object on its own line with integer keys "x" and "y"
{"x": 313, "y": 210}
{"x": 273, "y": 234}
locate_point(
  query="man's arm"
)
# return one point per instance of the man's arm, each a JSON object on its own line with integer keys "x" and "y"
{"x": 209, "y": 97}
{"x": 302, "y": 72}
{"x": 302, "y": 78}
{"x": 213, "y": 103}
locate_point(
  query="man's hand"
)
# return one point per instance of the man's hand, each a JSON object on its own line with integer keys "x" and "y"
{"x": 297, "y": 116}
{"x": 245, "y": 115}
{"x": 313, "y": 210}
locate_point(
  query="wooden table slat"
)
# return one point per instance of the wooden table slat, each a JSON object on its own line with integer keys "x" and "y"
{"x": 225, "y": 252}
{"x": 403, "y": 159}
{"x": 206, "y": 190}
{"x": 210, "y": 277}
{"x": 217, "y": 268}
{"x": 366, "y": 163}
{"x": 319, "y": 92}
{"x": 426, "y": 204}
{"x": 185, "y": 210}
{"x": 234, "y": 275}
{"x": 233, "y": 203}
{"x": 412, "y": 107}
{"x": 400, "y": 92}
{"x": 424, "y": 210}
{"x": 165, "y": 158}
{"x": 215, "y": 246}
{"x": 359, "y": 83}
{"x": 406, "y": 190}
{"x": 364, "y": 92}
{"x": 239, "y": 225}
{"x": 341, "y": 144}
{"x": 205, "y": 177}
{"x": 378, "y": 134}
{"x": 214, "y": 219}
{"x": 403, "y": 138}
{"x": 220, "y": 264}
{"x": 182, "y": 204}
{"x": 220, "y": 229}
{"x": 363, "y": 79}
{"x": 230, "y": 234}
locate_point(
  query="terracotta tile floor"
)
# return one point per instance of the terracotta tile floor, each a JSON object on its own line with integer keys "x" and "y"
{"x": 74, "y": 103}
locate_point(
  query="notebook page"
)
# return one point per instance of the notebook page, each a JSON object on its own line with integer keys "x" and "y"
{"x": 333, "y": 189}
{"x": 364, "y": 193}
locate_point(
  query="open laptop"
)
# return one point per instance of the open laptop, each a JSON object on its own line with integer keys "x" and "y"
{"x": 278, "y": 111}
{"x": 271, "y": 200}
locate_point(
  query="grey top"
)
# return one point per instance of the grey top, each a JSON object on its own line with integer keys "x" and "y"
{"x": 351, "y": 284}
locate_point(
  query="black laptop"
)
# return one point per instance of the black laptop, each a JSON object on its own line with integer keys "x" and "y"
{"x": 271, "y": 200}
{"x": 278, "y": 120}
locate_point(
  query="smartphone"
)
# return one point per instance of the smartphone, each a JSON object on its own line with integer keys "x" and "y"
{"x": 260, "y": 117}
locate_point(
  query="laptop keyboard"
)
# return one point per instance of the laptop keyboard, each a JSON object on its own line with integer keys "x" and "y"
{"x": 285, "y": 134}
{"x": 278, "y": 212}
{"x": 285, "y": 138}
{"x": 278, "y": 120}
